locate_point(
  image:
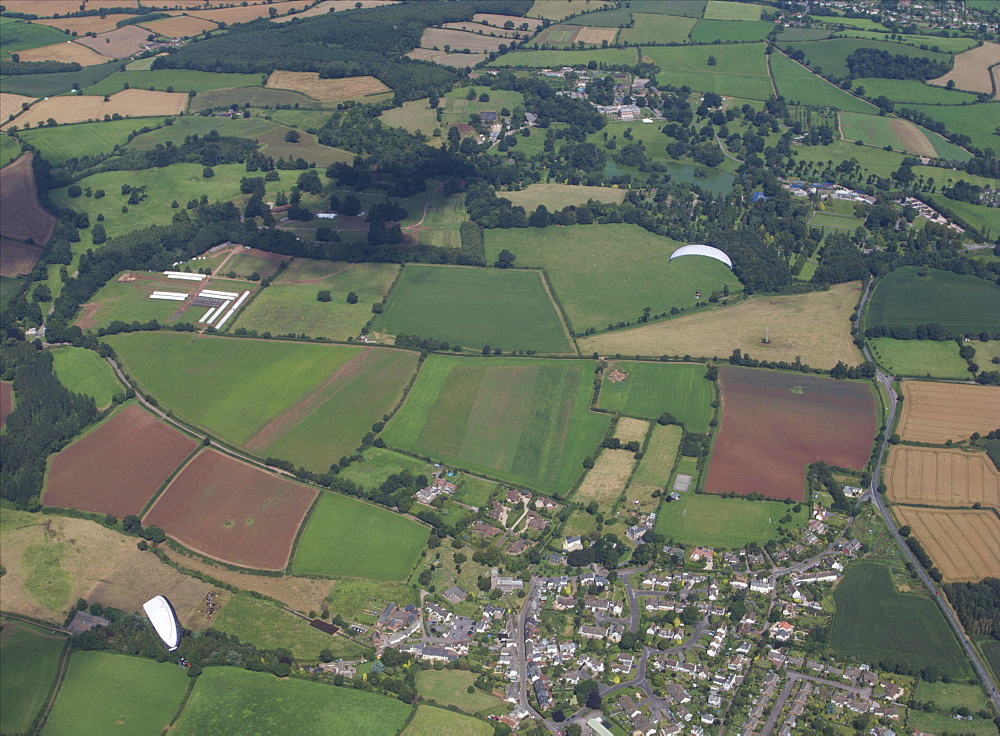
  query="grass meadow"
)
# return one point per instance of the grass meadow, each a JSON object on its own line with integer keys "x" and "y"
{"x": 597, "y": 285}
{"x": 985, "y": 219}
{"x": 958, "y": 302}
{"x": 460, "y": 305}
{"x": 921, "y": 358}
{"x": 657, "y": 28}
{"x": 945, "y": 723}
{"x": 546, "y": 59}
{"x": 654, "y": 388}
{"x": 85, "y": 372}
{"x": 934, "y": 43}
{"x": 949, "y": 695}
{"x": 449, "y": 687}
{"x": 64, "y": 142}
{"x": 976, "y": 121}
{"x": 21, "y": 36}
{"x": 521, "y": 420}
{"x": 559, "y": 196}
{"x": 911, "y": 90}
{"x": 878, "y": 624}
{"x": 233, "y": 700}
{"x": 739, "y": 71}
{"x": 181, "y": 80}
{"x": 377, "y": 464}
{"x": 799, "y": 85}
{"x": 431, "y": 721}
{"x": 830, "y": 56}
{"x": 329, "y": 543}
{"x": 30, "y": 662}
{"x": 111, "y": 693}
{"x": 727, "y": 523}
{"x": 351, "y": 596}
{"x": 47, "y": 85}
{"x": 660, "y": 456}
{"x": 686, "y": 8}
{"x": 873, "y": 160}
{"x": 711, "y": 31}
{"x": 901, "y": 135}
{"x": 720, "y": 10}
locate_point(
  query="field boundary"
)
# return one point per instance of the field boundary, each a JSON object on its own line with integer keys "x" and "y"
{"x": 170, "y": 478}
{"x": 563, "y": 318}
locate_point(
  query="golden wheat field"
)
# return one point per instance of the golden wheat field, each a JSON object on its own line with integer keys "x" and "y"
{"x": 934, "y": 413}
{"x": 80, "y": 108}
{"x": 67, "y": 53}
{"x": 939, "y": 477}
{"x": 962, "y": 543}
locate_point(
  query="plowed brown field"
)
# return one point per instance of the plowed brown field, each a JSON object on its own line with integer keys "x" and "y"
{"x": 962, "y": 544}
{"x": 117, "y": 468}
{"x": 232, "y": 511}
{"x": 326, "y": 90}
{"x": 65, "y": 52}
{"x": 118, "y": 43}
{"x": 774, "y": 424}
{"x": 21, "y": 218}
{"x": 6, "y": 400}
{"x": 17, "y": 257}
{"x": 933, "y": 477}
{"x": 937, "y": 412}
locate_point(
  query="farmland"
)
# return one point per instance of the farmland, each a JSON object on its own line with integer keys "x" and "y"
{"x": 21, "y": 214}
{"x": 448, "y": 687}
{"x": 329, "y": 542}
{"x": 815, "y": 327}
{"x": 568, "y": 35}
{"x": 558, "y": 196}
{"x": 884, "y": 131}
{"x": 830, "y": 56}
{"x": 650, "y": 389}
{"x": 232, "y": 511}
{"x": 127, "y": 103}
{"x": 232, "y": 700}
{"x": 6, "y": 400}
{"x": 84, "y": 372}
{"x": 740, "y": 69}
{"x": 118, "y": 43}
{"x": 19, "y": 36}
{"x": 30, "y": 662}
{"x": 876, "y": 623}
{"x": 180, "y": 80}
{"x": 919, "y": 358}
{"x": 127, "y": 299}
{"x": 719, "y": 10}
{"x": 460, "y": 305}
{"x": 606, "y": 480}
{"x": 727, "y": 523}
{"x": 542, "y": 59}
{"x": 961, "y": 542}
{"x": 687, "y": 8}
{"x": 911, "y": 296}
{"x": 117, "y": 467}
{"x": 937, "y": 477}
{"x": 657, "y": 28}
{"x": 976, "y": 121}
{"x": 801, "y": 86}
{"x": 986, "y": 219}
{"x": 525, "y": 421}
{"x": 83, "y": 139}
{"x": 934, "y": 413}
{"x": 431, "y": 721}
{"x": 971, "y": 71}
{"x": 557, "y": 9}
{"x": 596, "y": 286}
{"x": 181, "y": 26}
{"x": 770, "y": 430}
{"x": 659, "y": 458}
{"x": 104, "y": 692}
{"x": 65, "y": 52}
{"x": 910, "y": 90}
{"x": 325, "y": 90}
{"x": 435, "y": 38}
{"x": 710, "y": 31}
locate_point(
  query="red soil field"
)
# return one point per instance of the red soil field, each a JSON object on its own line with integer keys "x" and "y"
{"x": 117, "y": 468}
{"x": 232, "y": 511}
{"x": 6, "y": 400}
{"x": 119, "y": 43}
{"x": 774, "y": 424}
{"x": 21, "y": 214}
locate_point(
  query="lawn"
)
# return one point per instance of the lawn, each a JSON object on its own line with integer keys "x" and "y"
{"x": 979, "y": 122}
{"x": 719, "y": 10}
{"x": 232, "y": 700}
{"x": 657, "y": 28}
{"x": 85, "y": 372}
{"x": 712, "y": 31}
{"x": 266, "y": 626}
{"x": 660, "y": 456}
{"x": 461, "y": 305}
{"x": 171, "y": 80}
{"x": 726, "y": 523}
{"x": 835, "y": 221}
{"x": 911, "y": 90}
{"x": 949, "y": 695}
{"x": 290, "y": 307}
{"x": 958, "y": 302}
{"x": 547, "y": 59}
{"x": 876, "y": 623}
{"x": 739, "y": 70}
{"x": 449, "y": 687}
{"x": 29, "y": 663}
{"x": 328, "y": 544}
{"x": 521, "y": 420}
{"x": 654, "y": 388}
{"x": 606, "y": 274}
{"x": 830, "y": 56}
{"x": 799, "y": 85}
{"x": 431, "y": 721}
{"x": 920, "y": 358}
{"x": 111, "y": 693}
{"x": 64, "y": 142}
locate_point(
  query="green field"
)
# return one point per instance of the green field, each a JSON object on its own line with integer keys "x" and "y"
{"x": 559, "y": 196}
{"x": 726, "y": 523}
{"x": 985, "y": 219}
{"x": 660, "y": 456}
{"x": 262, "y": 97}
{"x": 128, "y": 301}
{"x": 740, "y": 69}
{"x": 461, "y": 305}
{"x": 711, "y": 31}
{"x": 85, "y": 372}
{"x": 688, "y": 8}
{"x": 992, "y": 651}
{"x": 106, "y": 693}
{"x": 181, "y": 127}
{"x": 799, "y": 85}
{"x": 933, "y": 43}
{"x": 830, "y": 56}
{"x": 525, "y": 421}
{"x": 350, "y": 595}
{"x": 10, "y": 149}
{"x": 654, "y": 388}
{"x": 959, "y": 302}
{"x": 834, "y": 221}
{"x": 266, "y": 626}
{"x": 289, "y": 307}
{"x": 378, "y": 464}
{"x": 180, "y": 80}
{"x": 719, "y": 10}
{"x": 605, "y": 274}
{"x": 949, "y": 695}
{"x": 47, "y": 85}
{"x": 657, "y": 28}
{"x": 431, "y": 721}
{"x": 910, "y": 90}
{"x": 329, "y": 543}
{"x": 64, "y": 142}
{"x": 29, "y": 663}
{"x": 603, "y": 19}
{"x": 231, "y": 700}
{"x": 877, "y": 130}
{"x": 803, "y": 34}
{"x": 545, "y": 59}
{"x": 919, "y": 358}
{"x": 945, "y": 724}
{"x": 877, "y": 624}
{"x": 449, "y": 687}
{"x": 870, "y": 159}
{"x": 21, "y": 36}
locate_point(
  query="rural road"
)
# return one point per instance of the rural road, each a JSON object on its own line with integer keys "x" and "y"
{"x": 936, "y": 593}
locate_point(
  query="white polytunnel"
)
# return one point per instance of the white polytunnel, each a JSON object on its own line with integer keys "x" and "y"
{"x": 702, "y": 250}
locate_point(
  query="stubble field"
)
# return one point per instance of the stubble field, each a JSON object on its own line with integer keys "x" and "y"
{"x": 934, "y": 413}
{"x": 605, "y": 482}
{"x": 936, "y": 477}
{"x": 971, "y": 71}
{"x": 67, "y": 53}
{"x": 962, "y": 543}
{"x": 127, "y": 103}
{"x": 326, "y": 90}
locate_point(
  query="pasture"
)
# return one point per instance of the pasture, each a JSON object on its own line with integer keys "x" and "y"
{"x": 46, "y": 85}
{"x": 455, "y": 59}
{"x": 961, "y": 542}
{"x": 431, "y": 721}
{"x": 885, "y": 131}
{"x": 328, "y": 544}
{"x": 448, "y": 687}
{"x": 62, "y": 143}
{"x": 377, "y": 464}
{"x": 596, "y": 286}
{"x": 876, "y": 623}
{"x": 911, "y": 90}
{"x": 934, "y": 413}
{"x": 264, "y": 97}
{"x": 815, "y": 327}
{"x": 103, "y": 692}
{"x": 830, "y": 56}
{"x": 29, "y": 663}
{"x": 85, "y": 372}
{"x": 559, "y": 9}
{"x": 657, "y": 28}
{"x": 799, "y": 85}
{"x": 972, "y": 69}
{"x": 118, "y": 466}
{"x": 912, "y": 296}
{"x": 460, "y": 305}
{"x": 985, "y": 219}
{"x": 774, "y": 424}
{"x": 86, "y": 108}
{"x": 232, "y": 511}
{"x": 559, "y": 196}
{"x": 948, "y": 695}
{"x": 524, "y": 421}
{"x": 919, "y": 358}
{"x": 605, "y": 482}
{"x": 20, "y": 36}
{"x": 723, "y": 523}
{"x": 569, "y": 35}
{"x": 171, "y": 80}
{"x": 606, "y": 18}
{"x": 325, "y": 90}
{"x": 941, "y": 477}
{"x": 740, "y": 70}
{"x": 716, "y": 31}
{"x": 719, "y": 10}
{"x": 945, "y": 722}
{"x": 660, "y": 456}
{"x": 22, "y": 216}
{"x": 873, "y": 160}
{"x": 545, "y": 59}
{"x": 233, "y": 700}
{"x": 934, "y": 43}
{"x": 650, "y": 389}
{"x": 628, "y": 429}
{"x": 686, "y": 8}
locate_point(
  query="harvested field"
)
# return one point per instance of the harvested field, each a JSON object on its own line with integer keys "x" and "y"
{"x": 116, "y": 468}
{"x": 774, "y": 424}
{"x": 605, "y": 482}
{"x": 934, "y": 413}
{"x": 118, "y": 43}
{"x": 326, "y": 90}
{"x": 499, "y": 20}
{"x": 480, "y": 29}
{"x": 327, "y": 6}
{"x": 962, "y": 543}
{"x": 180, "y": 26}
{"x": 438, "y": 38}
{"x": 6, "y": 400}
{"x": 21, "y": 216}
{"x": 459, "y": 61}
{"x": 588, "y": 34}
{"x": 127, "y": 103}
{"x": 10, "y": 104}
{"x": 17, "y": 257}
{"x": 971, "y": 71}
{"x": 558, "y": 196}
{"x": 242, "y": 14}
{"x": 68, "y": 53}
{"x": 232, "y": 511}
{"x": 933, "y": 477}
{"x": 90, "y": 24}
{"x": 567, "y": 35}
{"x": 45, "y": 8}
{"x": 631, "y": 430}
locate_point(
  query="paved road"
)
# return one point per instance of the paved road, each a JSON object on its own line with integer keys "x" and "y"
{"x": 794, "y": 677}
